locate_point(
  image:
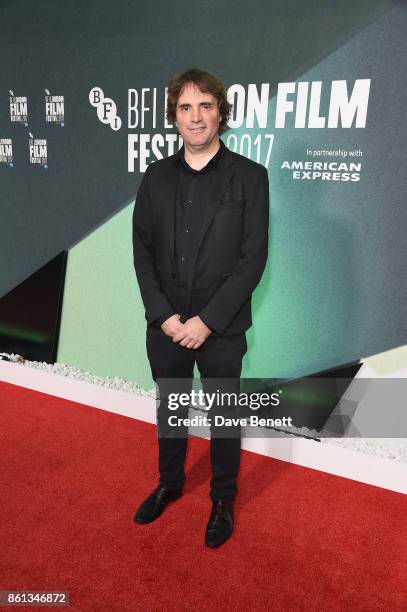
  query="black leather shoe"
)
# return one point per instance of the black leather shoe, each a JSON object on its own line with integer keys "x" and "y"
{"x": 220, "y": 524}
{"x": 152, "y": 507}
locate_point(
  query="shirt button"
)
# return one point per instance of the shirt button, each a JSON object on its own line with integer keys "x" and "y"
{"x": 182, "y": 258}
{"x": 187, "y": 230}
{"x": 189, "y": 202}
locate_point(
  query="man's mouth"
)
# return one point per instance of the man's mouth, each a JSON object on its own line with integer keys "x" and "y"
{"x": 197, "y": 129}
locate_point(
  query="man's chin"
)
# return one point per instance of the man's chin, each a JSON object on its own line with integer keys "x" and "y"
{"x": 198, "y": 144}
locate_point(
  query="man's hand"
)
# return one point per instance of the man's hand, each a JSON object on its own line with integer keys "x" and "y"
{"x": 193, "y": 333}
{"x": 172, "y": 325}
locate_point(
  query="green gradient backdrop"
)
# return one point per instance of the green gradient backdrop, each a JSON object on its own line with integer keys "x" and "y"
{"x": 335, "y": 276}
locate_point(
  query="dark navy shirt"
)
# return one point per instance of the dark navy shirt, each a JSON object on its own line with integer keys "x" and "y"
{"x": 193, "y": 185}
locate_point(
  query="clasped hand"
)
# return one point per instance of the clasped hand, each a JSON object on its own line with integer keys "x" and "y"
{"x": 191, "y": 334}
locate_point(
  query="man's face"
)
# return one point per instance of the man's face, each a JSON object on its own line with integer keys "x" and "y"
{"x": 197, "y": 117}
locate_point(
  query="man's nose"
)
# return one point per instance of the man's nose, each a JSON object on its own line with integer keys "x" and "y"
{"x": 196, "y": 114}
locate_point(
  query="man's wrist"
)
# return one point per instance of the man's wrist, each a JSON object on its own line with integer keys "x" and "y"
{"x": 207, "y": 324}
{"x": 164, "y": 318}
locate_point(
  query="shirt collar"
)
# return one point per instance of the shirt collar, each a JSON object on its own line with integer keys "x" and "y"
{"x": 213, "y": 162}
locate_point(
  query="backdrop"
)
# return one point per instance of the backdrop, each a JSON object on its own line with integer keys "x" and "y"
{"x": 319, "y": 98}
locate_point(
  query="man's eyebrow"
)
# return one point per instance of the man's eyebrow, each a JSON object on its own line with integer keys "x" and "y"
{"x": 189, "y": 104}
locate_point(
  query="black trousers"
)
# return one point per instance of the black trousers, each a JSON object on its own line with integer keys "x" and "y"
{"x": 218, "y": 357}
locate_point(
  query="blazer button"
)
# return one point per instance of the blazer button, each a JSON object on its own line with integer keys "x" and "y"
{"x": 172, "y": 275}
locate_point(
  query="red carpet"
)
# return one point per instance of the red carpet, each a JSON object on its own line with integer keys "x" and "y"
{"x": 72, "y": 477}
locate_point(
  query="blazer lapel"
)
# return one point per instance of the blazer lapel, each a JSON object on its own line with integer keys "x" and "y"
{"x": 213, "y": 197}
{"x": 170, "y": 188}
{"x": 211, "y": 202}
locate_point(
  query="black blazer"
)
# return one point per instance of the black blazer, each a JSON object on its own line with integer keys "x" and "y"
{"x": 232, "y": 247}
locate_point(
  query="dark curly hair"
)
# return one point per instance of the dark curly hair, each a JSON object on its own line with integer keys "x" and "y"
{"x": 208, "y": 83}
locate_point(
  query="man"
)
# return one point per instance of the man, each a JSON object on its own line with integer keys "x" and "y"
{"x": 200, "y": 239}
